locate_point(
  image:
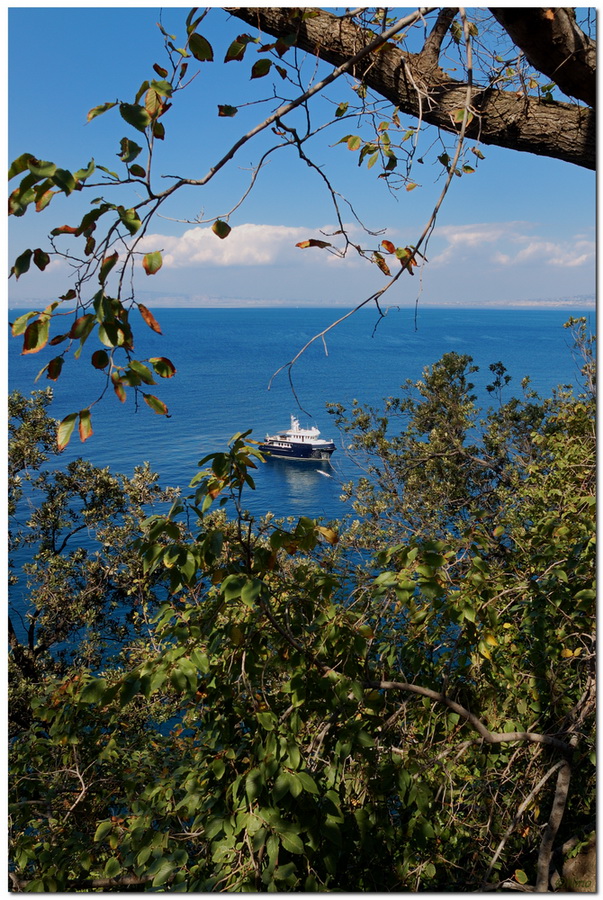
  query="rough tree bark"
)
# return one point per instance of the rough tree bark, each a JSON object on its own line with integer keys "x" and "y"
{"x": 416, "y": 83}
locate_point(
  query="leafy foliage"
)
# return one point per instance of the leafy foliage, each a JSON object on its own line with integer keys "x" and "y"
{"x": 305, "y": 699}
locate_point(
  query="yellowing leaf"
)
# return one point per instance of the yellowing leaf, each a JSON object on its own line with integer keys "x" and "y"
{"x": 157, "y": 405}
{"x": 328, "y": 533}
{"x": 65, "y": 430}
{"x": 152, "y": 262}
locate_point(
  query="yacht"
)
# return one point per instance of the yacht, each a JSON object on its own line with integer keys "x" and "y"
{"x": 297, "y": 443}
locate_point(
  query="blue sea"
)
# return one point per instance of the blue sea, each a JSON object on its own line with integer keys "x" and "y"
{"x": 226, "y": 360}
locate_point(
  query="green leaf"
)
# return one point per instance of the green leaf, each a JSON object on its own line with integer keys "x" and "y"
{"x": 292, "y": 842}
{"x": 152, "y": 262}
{"x": 227, "y": 111}
{"x": 22, "y": 264}
{"x": 99, "y": 110}
{"x": 163, "y": 873}
{"x": 200, "y": 48}
{"x": 250, "y": 592}
{"x": 307, "y": 782}
{"x": 135, "y": 115}
{"x": 20, "y": 165}
{"x": 520, "y": 876}
{"x": 142, "y": 371}
{"x": 20, "y": 324}
{"x": 222, "y": 229}
{"x": 158, "y": 406}
{"x": 112, "y": 867}
{"x": 107, "y": 264}
{"x": 130, "y": 219}
{"x": 40, "y": 168}
{"x": 236, "y": 51}
{"x": 129, "y": 150}
{"x": 64, "y": 180}
{"x": 65, "y": 430}
{"x": 92, "y": 693}
{"x": 164, "y": 367}
{"x": 103, "y": 830}
{"x": 261, "y": 68}
{"x": 41, "y": 259}
{"x": 254, "y": 783}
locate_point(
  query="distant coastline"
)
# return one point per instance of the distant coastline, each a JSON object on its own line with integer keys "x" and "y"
{"x": 580, "y": 301}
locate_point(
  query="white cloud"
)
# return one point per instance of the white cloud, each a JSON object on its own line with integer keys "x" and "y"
{"x": 246, "y": 245}
{"x": 463, "y": 243}
{"x": 463, "y": 238}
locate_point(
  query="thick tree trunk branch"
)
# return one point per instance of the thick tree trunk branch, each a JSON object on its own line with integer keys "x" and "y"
{"x": 558, "y": 130}
{"x": 554, "y": 44}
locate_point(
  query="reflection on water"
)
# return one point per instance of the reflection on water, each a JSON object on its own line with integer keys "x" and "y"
{"x": 311, "y": 487}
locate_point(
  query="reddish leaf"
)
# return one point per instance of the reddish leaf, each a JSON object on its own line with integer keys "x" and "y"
{"x": 85, "y": 427}
{"x": 54, "y": 368}
{"x": 65, "y": 229}
{"x": 36, "y": 335}
{"x": 381, "y": 263}
{"x": 100, "y": 359}
{"x": 118, "y": 387}
{"x": 313, "y": 243}
{"x": 44, "y": 199}
{"x": 149, "y": 318}
{"x": 388, "y": 246}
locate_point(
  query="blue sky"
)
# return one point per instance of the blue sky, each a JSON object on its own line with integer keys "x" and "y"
{"x": 521, "y": 229}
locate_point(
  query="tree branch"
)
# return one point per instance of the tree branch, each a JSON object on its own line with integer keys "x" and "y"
{"x": 491, "y": 737}
{"x": 554, "y": 44}
{"x": 559, "y": 130}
